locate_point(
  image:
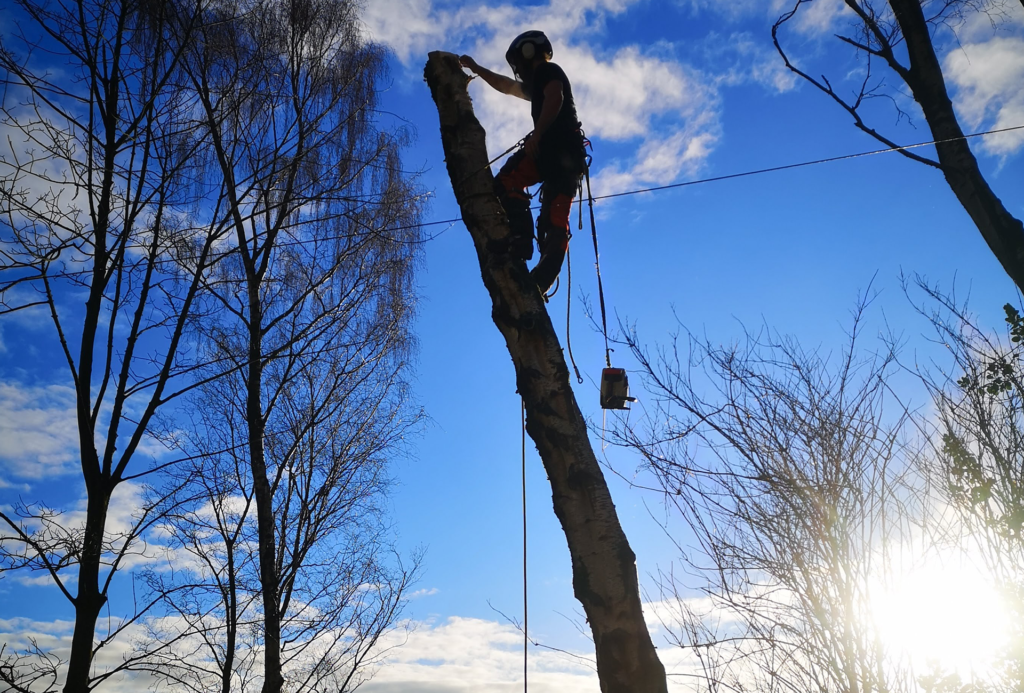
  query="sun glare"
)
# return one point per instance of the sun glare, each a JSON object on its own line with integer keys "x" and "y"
{"x": 946, "y": 613}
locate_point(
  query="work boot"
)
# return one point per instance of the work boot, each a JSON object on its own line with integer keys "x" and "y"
{"x": 552, "y": 255}
{"x": 520, "y": 222}
{"x": 542, "y": 275}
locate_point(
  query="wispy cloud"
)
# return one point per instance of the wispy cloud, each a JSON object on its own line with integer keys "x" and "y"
{"x": 740, "y": 59}
{"x": 987, "y": 77}
{"x": 39, "y": 431}
{"x": 460, "y": 655}
{"x": 425, "y": 592}
{"x": 820, "y": 17}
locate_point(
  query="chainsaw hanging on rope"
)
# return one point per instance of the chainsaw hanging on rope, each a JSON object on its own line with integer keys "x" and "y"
{"x": 614, "y": 381}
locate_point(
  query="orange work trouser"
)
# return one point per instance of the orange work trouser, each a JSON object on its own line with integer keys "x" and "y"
{"x": 520, "y": 172}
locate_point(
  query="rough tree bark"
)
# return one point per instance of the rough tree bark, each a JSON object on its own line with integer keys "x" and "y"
{"x": 603, "y": 564}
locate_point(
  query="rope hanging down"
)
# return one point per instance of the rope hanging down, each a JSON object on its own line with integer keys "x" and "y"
{"x": 597, "y": 266}
{"x": 526, "y": 635}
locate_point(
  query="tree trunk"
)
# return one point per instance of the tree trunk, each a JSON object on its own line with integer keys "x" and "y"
{"x": 262, "y": 493}
{"x": 1001, "y": 230}
{"x": 230, "y": 619}
{"x": 89, "y": 600}
{"x": 604, "y": 566}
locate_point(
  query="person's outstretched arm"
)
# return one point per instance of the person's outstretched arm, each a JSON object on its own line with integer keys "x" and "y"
{"x": 502, "y": 83}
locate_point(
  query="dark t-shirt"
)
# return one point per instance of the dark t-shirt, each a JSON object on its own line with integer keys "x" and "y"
{"x": 563, "y": 131}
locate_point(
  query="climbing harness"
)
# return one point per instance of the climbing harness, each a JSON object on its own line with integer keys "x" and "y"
{"x": 517, "y": 145}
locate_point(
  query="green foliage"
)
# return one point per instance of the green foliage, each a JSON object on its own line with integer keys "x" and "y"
{"x": 983, "y": 482}
{"x": 999, "y": 373}
{"x": 1016, "y": 322}
{"x": 982, "y": 449}
{"x": 968, "y": 483}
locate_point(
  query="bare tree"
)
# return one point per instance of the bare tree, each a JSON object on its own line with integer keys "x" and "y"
{"x": 901, "y": 35}
{"x": 95, "y": 198}
{"x": 313, "y": 311}
{"x": 789, "y": 471}
{"x": 604, "y": 565}
{"x": 333, "y": 425}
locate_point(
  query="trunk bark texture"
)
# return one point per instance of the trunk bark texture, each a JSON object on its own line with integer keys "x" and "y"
{"x": 262, "y": 492}
{"x": 1003, "y": 232}
{"x": 603, "y": 564}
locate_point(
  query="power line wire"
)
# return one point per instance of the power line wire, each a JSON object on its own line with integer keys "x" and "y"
{"x": 683, "y": 184}
{"x": 805, "y": 163}
{"x": 743, "y": 174}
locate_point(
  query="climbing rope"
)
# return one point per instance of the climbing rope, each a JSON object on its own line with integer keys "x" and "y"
{"x": 515, "y": 146}
{"x": 526, "y": 636}
{"x": 568, "y": 294}
{"x": 597, "y": 266}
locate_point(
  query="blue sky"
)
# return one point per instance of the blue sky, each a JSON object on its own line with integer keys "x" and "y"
{"x": 668, "y": 91}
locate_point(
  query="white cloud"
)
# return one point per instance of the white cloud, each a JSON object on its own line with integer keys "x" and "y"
{"x": 657, "y": 162}
{"x": 45, "y": 579}
{"x": 740, "y": 59}
{"x": 820, "y": 16}
{"x": 54, "y": 637}
{"x": 51, "y": 635}
{"x": 425, "y": 592}
{"x": 124, "y": 514}
{"x": 622, "y": 96}
{"x": 458, "y": 655}
{"x": 468, "y": 654}
{"x": 4, "y": 483}
{"x": 419, "y": 28}
{"x": 623, "y": 93}
{"x": 39, "y": 431}
{"x": 988, "y": 78}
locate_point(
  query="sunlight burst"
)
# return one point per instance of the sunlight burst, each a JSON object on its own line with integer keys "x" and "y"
{"x": 950, "y": 614}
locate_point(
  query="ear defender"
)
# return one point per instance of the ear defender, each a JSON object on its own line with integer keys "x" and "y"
{"x": 527, "y": 46}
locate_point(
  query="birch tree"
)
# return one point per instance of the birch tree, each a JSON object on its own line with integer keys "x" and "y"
{"x": 603, "y": 564}
{"x": 312, "y": 312}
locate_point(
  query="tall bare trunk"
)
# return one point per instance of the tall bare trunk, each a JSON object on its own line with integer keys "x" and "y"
{"x": 1001, "y": 230}
{"x": 262, "y": 492}
{"x": 89, "y": 600}
{"x": 603, "y": 564}
{"x": 230, "y": 619}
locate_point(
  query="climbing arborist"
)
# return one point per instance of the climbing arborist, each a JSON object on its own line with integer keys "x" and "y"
{"x": 552, "y": 155}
